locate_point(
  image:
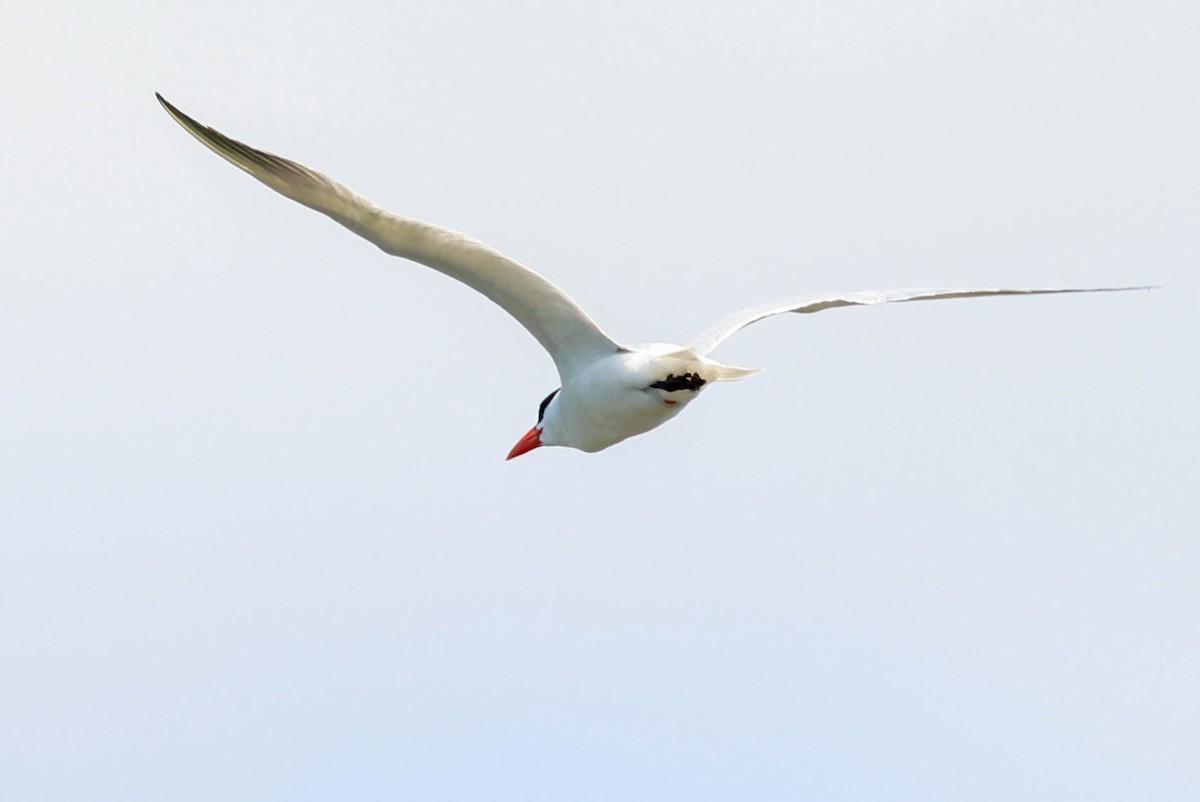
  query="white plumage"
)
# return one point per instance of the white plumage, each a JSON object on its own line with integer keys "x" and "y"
{"x": 609, "y": 392}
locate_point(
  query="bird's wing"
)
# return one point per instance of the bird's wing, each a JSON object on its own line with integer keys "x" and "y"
{"x": 558, "y": 323}
{"x": 805, "y": 304}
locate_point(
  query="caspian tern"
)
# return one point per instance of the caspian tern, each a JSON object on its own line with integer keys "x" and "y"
{"x": 610, "y": 392}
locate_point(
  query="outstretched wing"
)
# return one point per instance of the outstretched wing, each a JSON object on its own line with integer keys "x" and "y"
{"x": 805, "y": 304}
{"x": 558, "y": 323}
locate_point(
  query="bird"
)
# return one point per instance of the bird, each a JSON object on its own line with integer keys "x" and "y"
{"x": 608, "y": 391}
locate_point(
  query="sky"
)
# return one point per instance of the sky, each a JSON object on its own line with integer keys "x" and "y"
{"x": 258, "y": 540}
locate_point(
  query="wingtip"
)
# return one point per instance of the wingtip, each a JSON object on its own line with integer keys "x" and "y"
{"x": 179, "y": 116}
{"x": 166, "y": 104}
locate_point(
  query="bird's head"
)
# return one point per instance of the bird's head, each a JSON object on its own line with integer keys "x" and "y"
{"x": 533, "y": 437}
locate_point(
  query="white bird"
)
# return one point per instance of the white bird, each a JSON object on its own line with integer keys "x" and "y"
{"x": 610, "y": 392}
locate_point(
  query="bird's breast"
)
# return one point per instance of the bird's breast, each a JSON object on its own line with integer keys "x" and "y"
{"x": 625, "y": 395}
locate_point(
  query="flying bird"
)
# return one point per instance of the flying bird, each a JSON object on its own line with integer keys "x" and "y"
{"x": 609, "y": 392}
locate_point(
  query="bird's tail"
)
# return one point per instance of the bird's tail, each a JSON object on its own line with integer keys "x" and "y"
{"x": 690, "y": 361}
{"x": 729, "y": 373}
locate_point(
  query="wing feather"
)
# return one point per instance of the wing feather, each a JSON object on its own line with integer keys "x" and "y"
{"x": 550, "y": 315}
{"x": 807, "y": 304}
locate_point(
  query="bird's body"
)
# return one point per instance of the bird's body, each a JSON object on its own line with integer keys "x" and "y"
{"x": 607, "y": 402}
{"x": 609, "y": 392}
{"x": 627, "y": 393}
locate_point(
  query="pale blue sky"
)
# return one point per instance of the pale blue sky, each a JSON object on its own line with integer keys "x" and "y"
{"x": 258, "y": 538}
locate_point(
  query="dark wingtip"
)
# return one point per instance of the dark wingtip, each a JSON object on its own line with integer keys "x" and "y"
{"x": 187, "y": 122}
{"x": 166, "y": 104}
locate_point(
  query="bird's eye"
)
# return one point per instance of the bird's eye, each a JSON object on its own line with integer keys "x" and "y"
{"x": 545, "y": 403}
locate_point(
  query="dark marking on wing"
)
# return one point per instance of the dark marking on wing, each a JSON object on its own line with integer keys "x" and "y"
{"x": 688, "y": 381}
